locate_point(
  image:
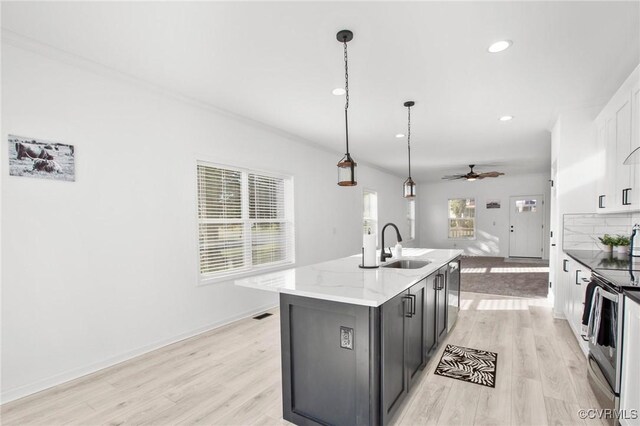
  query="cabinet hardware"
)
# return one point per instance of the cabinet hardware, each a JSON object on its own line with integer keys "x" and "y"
{"x": 440, "y": 281}
{"x": 410, "y": 299}
{"x": 601, "y": 200}
{"x": 625, "y": 197}
{"x": 564, "y": 265}
{"x": 577, "y": 276}
{"x": 413, "y": 304}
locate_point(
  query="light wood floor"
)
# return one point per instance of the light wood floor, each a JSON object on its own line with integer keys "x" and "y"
{"x": 231, "y": 376}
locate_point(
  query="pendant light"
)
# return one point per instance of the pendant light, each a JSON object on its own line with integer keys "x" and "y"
{"x": 409, "y": 187}
{"x": 346, "y": 166}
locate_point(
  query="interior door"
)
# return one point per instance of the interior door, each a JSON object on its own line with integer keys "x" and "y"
{"x": 526, "y": 226}
{"x": 416, "y": 358}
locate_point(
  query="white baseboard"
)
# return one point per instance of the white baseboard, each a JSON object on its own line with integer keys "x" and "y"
{"x": 67, "y": 376}
{"x": 559, "y": 315}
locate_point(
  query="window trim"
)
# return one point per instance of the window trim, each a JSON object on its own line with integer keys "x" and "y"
{"x": 290, "y": 213}
{"x": 409, "y": 219}
{"x": 377, "y": 219}
{"x": 475, "y": 220}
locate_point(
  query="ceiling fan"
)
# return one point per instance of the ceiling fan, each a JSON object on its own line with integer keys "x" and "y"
{"x": 471, "y": 176}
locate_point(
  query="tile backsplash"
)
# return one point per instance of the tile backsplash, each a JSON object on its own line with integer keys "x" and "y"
{"x": 581, "y": 231}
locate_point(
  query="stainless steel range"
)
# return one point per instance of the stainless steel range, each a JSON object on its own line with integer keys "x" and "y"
{"x": 605, "y": 342}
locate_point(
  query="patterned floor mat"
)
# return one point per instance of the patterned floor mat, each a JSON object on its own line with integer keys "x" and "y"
{"x": 469, "y": 365}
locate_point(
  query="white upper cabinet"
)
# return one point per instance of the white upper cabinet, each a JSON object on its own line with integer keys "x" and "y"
{"x": 634, "y": 196}
{"x": 618, "y": 132}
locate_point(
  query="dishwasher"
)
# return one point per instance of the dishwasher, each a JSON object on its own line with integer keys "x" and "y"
{"x": 453, "y": 292}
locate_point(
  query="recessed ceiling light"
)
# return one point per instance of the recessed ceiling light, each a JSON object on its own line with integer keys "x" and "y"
{"x": 400, "y": 135}
{"x": 338, "y": 91}
{"x": 506, "y": 118}
{"x": 499, "y": 46}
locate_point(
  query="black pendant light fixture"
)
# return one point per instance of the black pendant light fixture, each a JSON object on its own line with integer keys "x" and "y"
{"x": 346, "y": 166}
{"x": 409, "y": 187}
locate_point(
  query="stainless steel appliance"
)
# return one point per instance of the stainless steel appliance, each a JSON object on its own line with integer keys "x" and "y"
{"x": 453, "y": 293}
{"x": 605, "y": 354}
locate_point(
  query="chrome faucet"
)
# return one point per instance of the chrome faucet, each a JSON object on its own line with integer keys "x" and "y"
{"x": 383, "y": 255}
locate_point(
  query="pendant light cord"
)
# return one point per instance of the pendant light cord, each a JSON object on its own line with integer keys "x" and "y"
{"x": 346, "y": 89}
{"x": 409, "y": 138}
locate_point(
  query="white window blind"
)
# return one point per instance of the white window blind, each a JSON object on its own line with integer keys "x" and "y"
{"x": 245, "y": 221}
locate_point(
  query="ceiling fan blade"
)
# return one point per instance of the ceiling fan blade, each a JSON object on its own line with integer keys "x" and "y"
{"x": 489, "y": 174}
{"x": 453, "y": 177}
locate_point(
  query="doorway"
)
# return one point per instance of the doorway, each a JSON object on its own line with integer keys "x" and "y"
{"x": 526, "y": 226}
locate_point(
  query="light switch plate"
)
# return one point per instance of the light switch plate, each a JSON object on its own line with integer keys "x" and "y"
{"x": 346, "y": 338}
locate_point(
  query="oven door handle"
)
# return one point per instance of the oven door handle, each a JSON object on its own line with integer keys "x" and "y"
{"x": 609, "y": 295}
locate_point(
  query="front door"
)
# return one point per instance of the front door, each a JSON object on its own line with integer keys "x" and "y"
{"x": 525, "y": 228}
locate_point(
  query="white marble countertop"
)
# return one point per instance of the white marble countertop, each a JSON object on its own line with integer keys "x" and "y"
{"x": 341, "y": 280}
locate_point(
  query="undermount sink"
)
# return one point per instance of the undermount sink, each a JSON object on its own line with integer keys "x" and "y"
{"x": 407, "y": 264}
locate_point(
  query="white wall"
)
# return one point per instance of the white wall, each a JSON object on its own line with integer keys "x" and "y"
{"x": 96, "y": 271}
{"x": 575, "y": 153}
{"x": 492, "y": 225}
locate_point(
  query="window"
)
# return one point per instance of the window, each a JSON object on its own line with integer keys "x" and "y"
{"x": 462, "y": 218}
{"x": 370, "y": 212}
{"x": 526, "y": 206}
{"x": 411, "y": 218}
{"x": 245, "y": 221}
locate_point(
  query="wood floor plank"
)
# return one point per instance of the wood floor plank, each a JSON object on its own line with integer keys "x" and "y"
{"x": 253, "y": 408}
{"x": 425, "y": 406}
{"x": 460, "y": 406}
{"x": 37, "y": 406}
{"x": 494, "y": 404}
{"x": 553, "y": 371}
{"x": 562, "y": 413}
{"x": 527, "y": 402}
{"x": 525, "y": 360}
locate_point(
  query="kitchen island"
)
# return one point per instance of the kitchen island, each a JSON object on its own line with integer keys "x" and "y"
{"x": 355, "y": 340}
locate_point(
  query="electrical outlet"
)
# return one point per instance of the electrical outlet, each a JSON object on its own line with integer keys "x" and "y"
{"x": 346, "y": 338}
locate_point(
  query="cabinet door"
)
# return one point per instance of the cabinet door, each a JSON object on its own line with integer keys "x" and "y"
{"x": 634, "y": 194}
{"x": 623, "y": 148}
{"x": 416, "y": 357}
{"x": 566, "y": 288}
{"x": 603, "y": 184}
{"x": 441, "y": 302}
{"x": 393, "y": 382}
{"x": 430, "y": 314}
{"x": 614, "y": 200}
{"x": 629, "y": 391}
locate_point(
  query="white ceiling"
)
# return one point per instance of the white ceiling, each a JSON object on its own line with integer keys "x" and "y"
{"x": 277, "y": 63}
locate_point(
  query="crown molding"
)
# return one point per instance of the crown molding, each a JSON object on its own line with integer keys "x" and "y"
{"x": 11, "y": 38}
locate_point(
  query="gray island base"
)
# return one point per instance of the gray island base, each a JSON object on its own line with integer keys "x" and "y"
{"x": 354, "y": 362}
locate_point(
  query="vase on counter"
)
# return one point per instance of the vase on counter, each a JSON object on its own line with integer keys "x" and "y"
{"x": 607, "y": 249}
{"x": 622, "y": 250}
